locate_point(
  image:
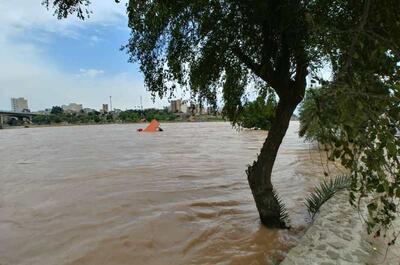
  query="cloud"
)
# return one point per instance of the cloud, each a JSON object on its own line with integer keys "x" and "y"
{"x": 94, "y": 39}
{"x": 90, "y": 72}
{"x": 21, "y": 16}
{"x": 28, "y": 71}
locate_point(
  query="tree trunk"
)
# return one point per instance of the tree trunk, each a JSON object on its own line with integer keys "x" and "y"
{"x": 259, "y": 174}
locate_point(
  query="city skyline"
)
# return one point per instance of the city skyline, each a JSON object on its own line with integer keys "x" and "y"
{"x": 17, "y": 100}
{"x": 10, "y": 106}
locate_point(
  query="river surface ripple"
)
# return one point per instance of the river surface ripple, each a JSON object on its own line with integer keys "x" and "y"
{"x": 109, "y": 195}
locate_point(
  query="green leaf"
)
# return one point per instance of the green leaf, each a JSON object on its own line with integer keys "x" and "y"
{"x": 398, "y": 193}
{"x": 372, "y": 206}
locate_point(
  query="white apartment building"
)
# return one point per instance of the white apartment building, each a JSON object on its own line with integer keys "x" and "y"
{"x": 19, "y": 104}
{"x": 72, "y": 107}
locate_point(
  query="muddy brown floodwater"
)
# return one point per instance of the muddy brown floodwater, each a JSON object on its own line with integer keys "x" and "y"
{"x": 109, "y": 195}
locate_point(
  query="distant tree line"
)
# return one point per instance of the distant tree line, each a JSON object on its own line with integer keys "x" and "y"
{"x": 58, "y": 116}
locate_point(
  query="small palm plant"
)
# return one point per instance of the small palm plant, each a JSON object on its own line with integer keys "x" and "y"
{"x": 326, "y": 190}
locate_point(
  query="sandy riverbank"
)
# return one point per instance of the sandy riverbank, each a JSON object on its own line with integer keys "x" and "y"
{"x": 338, "y": 236}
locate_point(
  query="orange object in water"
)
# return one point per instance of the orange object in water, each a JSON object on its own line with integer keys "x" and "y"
{"x": 153, "y": 126}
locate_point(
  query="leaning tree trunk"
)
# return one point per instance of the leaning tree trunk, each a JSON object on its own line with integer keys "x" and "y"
{"x": 259, "y": 174}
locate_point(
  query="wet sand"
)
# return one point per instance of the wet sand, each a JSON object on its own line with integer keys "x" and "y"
{"x": 109, "y": 195}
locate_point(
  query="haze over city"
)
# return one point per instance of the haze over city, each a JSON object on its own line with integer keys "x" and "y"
{"x": 55, "y": 62}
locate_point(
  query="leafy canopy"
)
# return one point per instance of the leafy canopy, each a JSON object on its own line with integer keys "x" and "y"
{"x": 203, "y": 45}
{"x": 355, "y": 115}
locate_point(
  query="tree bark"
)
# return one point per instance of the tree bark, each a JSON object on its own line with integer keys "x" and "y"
{"x": 259, "y": 174}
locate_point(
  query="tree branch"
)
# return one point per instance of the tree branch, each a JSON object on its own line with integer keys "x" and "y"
{"x": 253, "y": 66}
{"x": 301, "y": 73}
{"x": 360, "y": 29}
{"x": 265, "y": 71}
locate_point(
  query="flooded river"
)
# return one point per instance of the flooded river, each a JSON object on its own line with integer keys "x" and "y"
{"x": 109, "y": 195}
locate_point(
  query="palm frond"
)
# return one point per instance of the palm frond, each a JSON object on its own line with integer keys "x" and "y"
{"x": 324, "y": 192}
{"x": 283, "y": 213}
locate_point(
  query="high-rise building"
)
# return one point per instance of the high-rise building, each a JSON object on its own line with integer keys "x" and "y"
{"x": 176, "y": 106}
{"x": 105, "y": 108}
{"x": 19, "y": 105}
{"x": 184, "y": 108}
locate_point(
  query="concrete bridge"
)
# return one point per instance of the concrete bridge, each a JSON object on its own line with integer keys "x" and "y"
{"x": 24, "y": 116}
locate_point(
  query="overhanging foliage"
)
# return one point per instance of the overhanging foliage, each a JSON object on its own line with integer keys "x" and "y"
{"x": 361, "y": 132}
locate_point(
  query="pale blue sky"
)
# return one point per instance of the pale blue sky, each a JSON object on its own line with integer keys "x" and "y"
{"x": 52, "y": 62}
{"x": 55, "y": 62}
